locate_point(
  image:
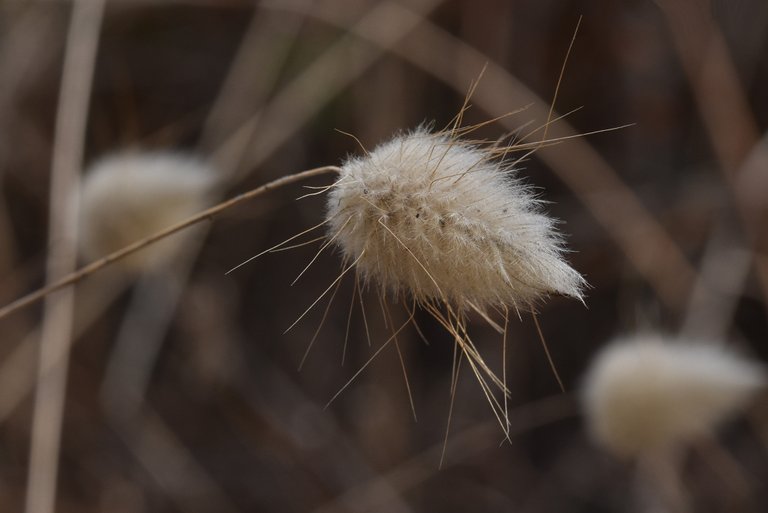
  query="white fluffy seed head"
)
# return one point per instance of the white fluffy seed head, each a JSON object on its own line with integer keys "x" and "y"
{"x": 127, "y": 197}
{"x": 439, "y": 218}
{"x": 645, "y": 394}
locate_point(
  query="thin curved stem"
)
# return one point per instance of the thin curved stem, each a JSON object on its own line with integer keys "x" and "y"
{"x": 91, "y": 268}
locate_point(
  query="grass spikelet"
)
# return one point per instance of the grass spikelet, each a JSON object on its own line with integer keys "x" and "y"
{"x": 126, "y": 197}
{"x": 439, "y": 218}
{"x": 646, "y": 394}
{"x": 444, "y": 222}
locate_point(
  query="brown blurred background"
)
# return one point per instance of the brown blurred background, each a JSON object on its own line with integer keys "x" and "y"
{"x": 183, "y": 392}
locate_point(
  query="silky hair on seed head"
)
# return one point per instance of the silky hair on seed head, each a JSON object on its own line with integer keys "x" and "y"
{"x": 439, "y": 218}
{"x": 646, "y": 394}
{"x": 126, "y": 197}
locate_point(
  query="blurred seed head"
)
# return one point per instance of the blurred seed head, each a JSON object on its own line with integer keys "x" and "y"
{"x": 436, "y": 217}
{"x": 126, "y": 197}
{"x": 646, "y": 394}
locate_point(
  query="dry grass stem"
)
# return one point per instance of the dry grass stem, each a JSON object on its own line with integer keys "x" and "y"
{"x": 93, "y": 267}
{"x": 58, "y": 315}
{"x": 732, "y": 129}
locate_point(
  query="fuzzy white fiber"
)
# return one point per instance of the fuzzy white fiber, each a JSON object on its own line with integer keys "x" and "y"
{"x": 645, "y": 394}
{"x": 126, "y": 197}
{"x": 432, "y": 216}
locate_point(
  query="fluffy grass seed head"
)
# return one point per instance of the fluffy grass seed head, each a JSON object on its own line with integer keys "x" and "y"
{"x": 126, "y": 197}
{"x": 646, "y": 394}
{"x": 431, "y": 215}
